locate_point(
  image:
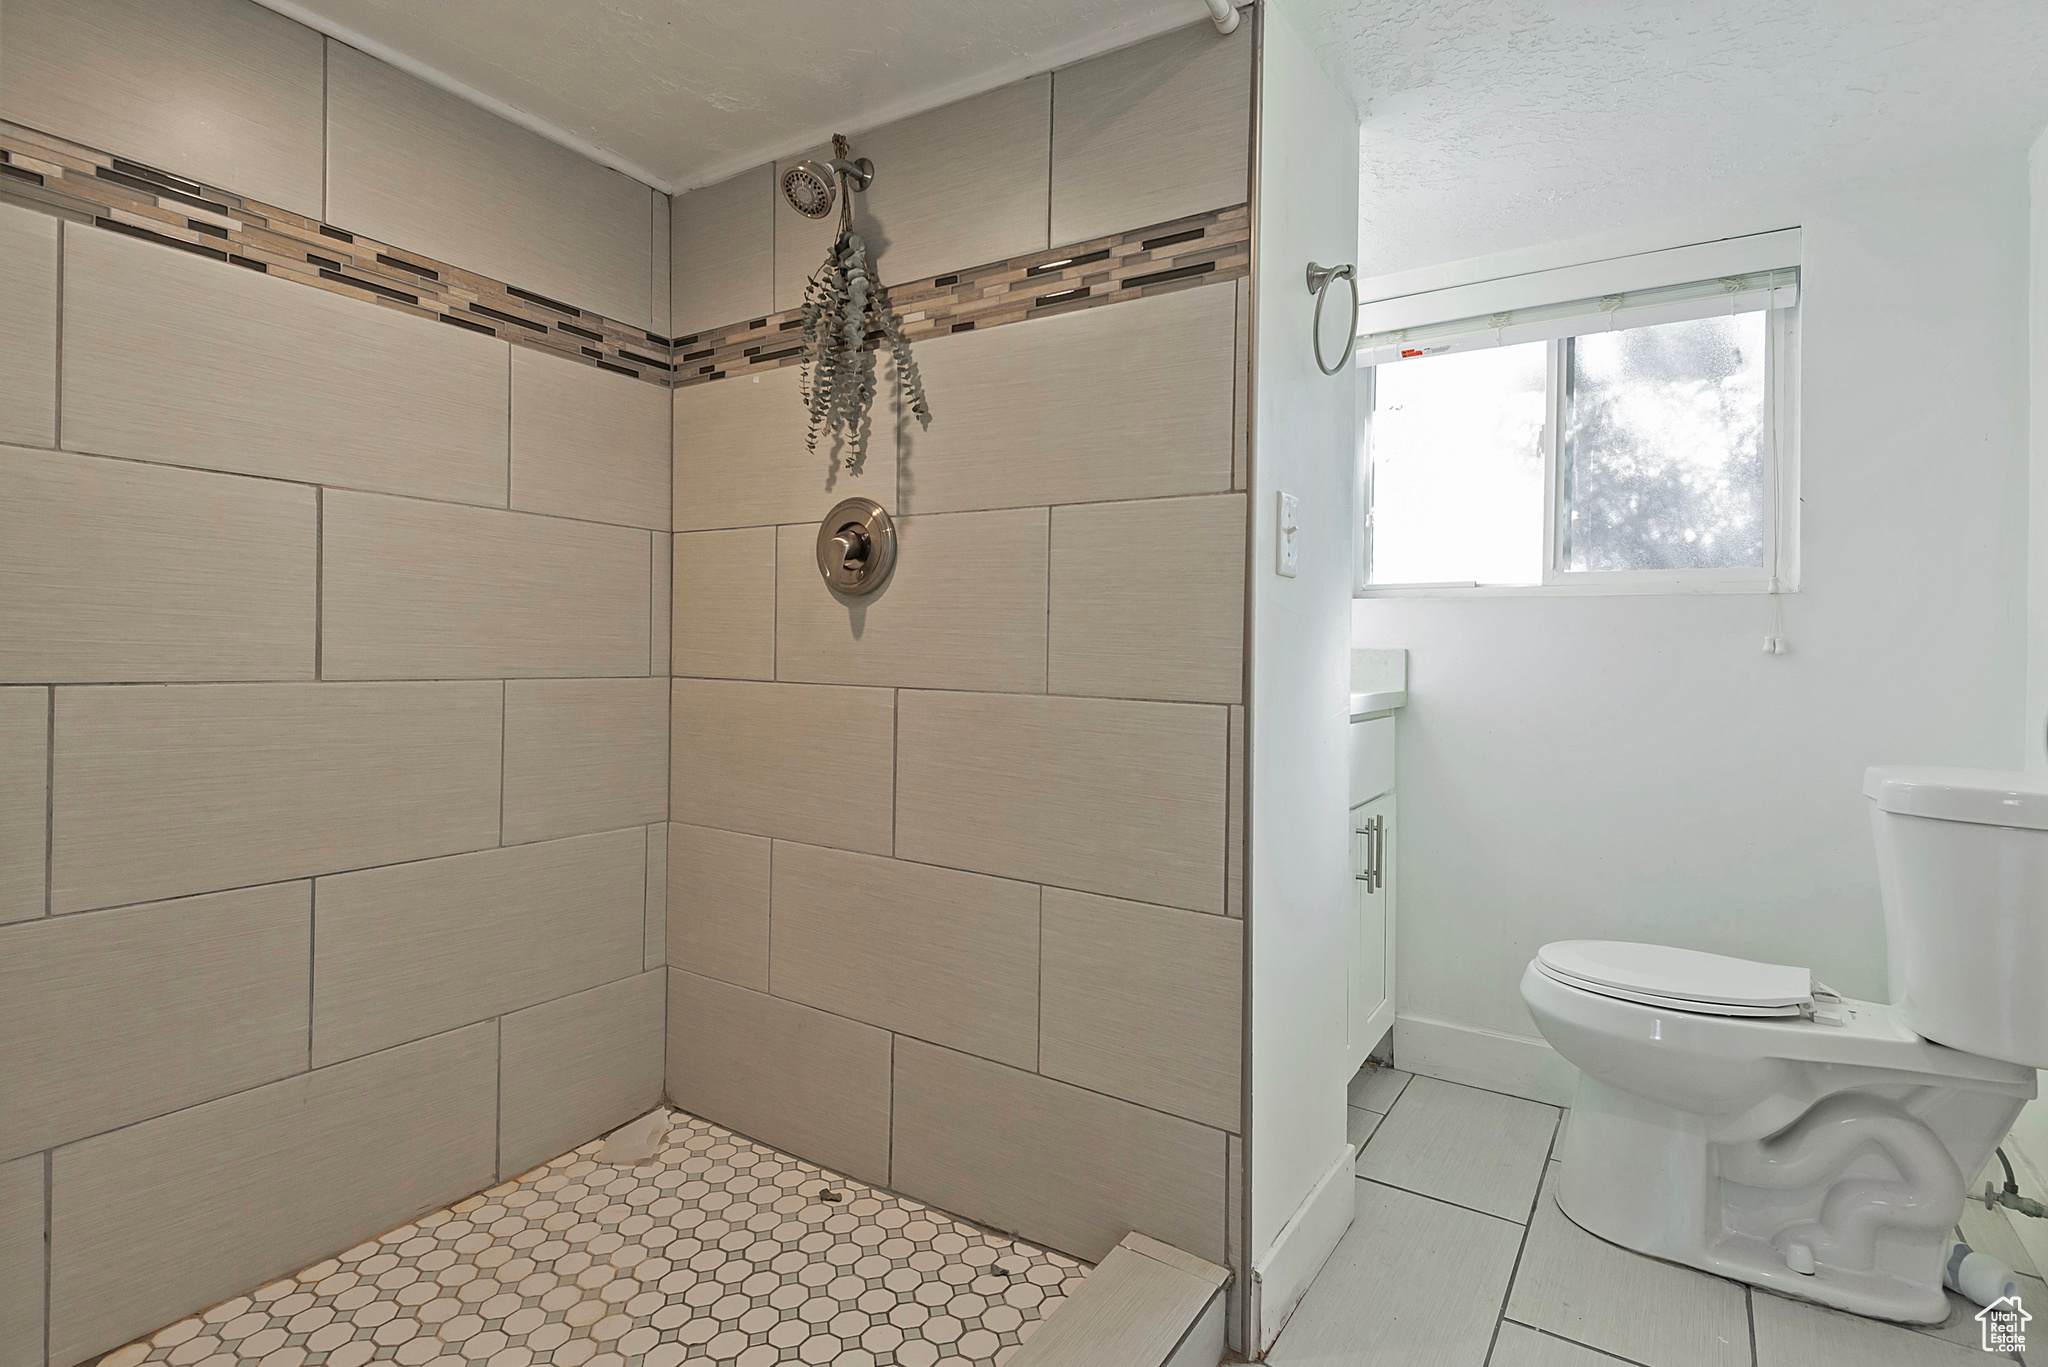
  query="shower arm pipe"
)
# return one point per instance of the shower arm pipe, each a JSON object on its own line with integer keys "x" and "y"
{"x": 1225, "y": 15}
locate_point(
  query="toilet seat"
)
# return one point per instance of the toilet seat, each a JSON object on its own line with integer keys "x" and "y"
{"x": 1679, "y": 979}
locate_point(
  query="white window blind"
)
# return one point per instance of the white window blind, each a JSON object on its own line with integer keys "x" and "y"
{"x": 1730, "y": 294}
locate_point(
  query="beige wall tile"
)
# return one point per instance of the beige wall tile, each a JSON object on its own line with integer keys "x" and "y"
{"x": 654, "y": 943}
{"x": 21, "y": 1262}
{"x": 24, "y": 805}
{"x": 587, "y": 443}
{"x": 584, "y": 755}
{"x": 191, "y": 1208}
{"x": 116, "y": 1016}
{"x": 402, "y": 952}
{"x": 119, "y": 571}
{"x": 1148, "y": 599}
{"x": 28, "y": 321}
{"x": 946, "y": 956}
{"x": 964, "y": 608}
{"x": 741, "y": 459}
{"x": 218, "y": 90}
{"x": 408, "y": 163}
{"x": 724, "y": 598}
{"x": 659, "y": 274}
{"x": 1059, "y": 1165}
{"x": 167, "y": 791}
{"x": 795, "y": 761}
{"x": 577, "y": 1067}
{"x": 1125, "y": 402}
{"x": 1233, "y": 842}
{"x": 812, "y": 1084}
{"x": 957, "y": 186}
{"x": 1151, "y": 133}
{"x": 718, "y": 904}
{"x": 416, "y": 590}
{"x": 1143, "y": 1003}
{"x": 1122, "y": 798}
{"x": 722, "y": 255}
{"x": 170, "y": 357}
{"x": 660, "y": 649}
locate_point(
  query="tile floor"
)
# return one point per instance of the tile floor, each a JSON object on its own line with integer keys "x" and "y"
{"x": 718, "y": 1250}
{"x": 1460, "y": 1258}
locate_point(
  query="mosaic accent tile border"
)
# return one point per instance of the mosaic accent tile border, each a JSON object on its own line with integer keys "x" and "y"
{"x": 718, "y": 1250}
{"x": 1204, "y": 249}
{"x": 87, "y": 186}
{"x": 92, "y": 187}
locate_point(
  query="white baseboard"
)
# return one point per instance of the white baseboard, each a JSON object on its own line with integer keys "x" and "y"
{"x": 1282, "y": 1277}
{"x": 1485, "y": 1058}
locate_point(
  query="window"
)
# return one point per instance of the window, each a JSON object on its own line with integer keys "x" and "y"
{"x": 1632, "y": 442}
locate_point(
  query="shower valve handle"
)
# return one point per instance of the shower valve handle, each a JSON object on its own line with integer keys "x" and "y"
{"x": 851, "y": 547}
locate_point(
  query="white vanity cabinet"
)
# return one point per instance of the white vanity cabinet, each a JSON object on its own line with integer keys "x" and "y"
{"x": 1373, "y": 815}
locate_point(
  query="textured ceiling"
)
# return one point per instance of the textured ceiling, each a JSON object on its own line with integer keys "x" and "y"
{"x": 1496, "y": 124}
{"x": 687, "y": 92}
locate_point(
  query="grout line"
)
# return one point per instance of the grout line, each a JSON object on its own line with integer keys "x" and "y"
{"x": 1048, "y": 602}
{"x": 336, "y": 1063}
{"x": 895, "y": 762}
{"x": 998, "y": 1063}
{"x": 504, "y": 711}
{"x": 319, "y": 578}
{"x": 651, "y": 562}
{"x": 312, "y": 960}
{"x": 50, "y": 803}
{"x": 891, "y": 1165}
{"x": 1052, "y": 94}
{"x": 1749, "y": 1310}
{"x": 362, "y": 868}
{"x": 326, "y": 129}
{"x": 508, "y": 426}
{"x": 332, "y": 487}
{"x": 498, "y": 1147}
{"x": 49, "y": 1243}
{"x": 1442, "y": 1201}
{"x": 57, "y": 399}
{"x": 1576, "y": 1343}
{"x": 1038, "y": 993}
{"x": 1522, "y": 1248}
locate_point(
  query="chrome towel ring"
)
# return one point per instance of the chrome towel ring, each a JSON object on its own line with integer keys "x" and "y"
{"x": 1319, "y": 278}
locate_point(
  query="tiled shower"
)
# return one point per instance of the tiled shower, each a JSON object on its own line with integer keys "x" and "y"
{"x": 425, "y": 744}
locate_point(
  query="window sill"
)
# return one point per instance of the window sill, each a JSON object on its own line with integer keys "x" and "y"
{"x": 1607, "y": 589}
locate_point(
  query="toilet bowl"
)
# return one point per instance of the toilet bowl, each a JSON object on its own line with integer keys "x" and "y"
{"x": 1740, "y": 1118}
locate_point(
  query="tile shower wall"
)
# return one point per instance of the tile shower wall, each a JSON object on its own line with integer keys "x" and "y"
{"x": 949, "y": 902}
{"x": 333, "y": 697}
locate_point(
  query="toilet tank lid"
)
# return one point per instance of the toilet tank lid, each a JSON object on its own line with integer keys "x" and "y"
{"x": 1679, "y": 974}
{"x": 1988, "y": 797}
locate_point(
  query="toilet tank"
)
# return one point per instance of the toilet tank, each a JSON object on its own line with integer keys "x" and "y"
{"x": 1962, "y": 862}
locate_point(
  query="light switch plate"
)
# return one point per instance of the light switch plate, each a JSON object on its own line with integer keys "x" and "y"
{"x": 1290, "y": 536}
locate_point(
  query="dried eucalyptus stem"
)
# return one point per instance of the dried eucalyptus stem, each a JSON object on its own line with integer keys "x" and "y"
{"x": 845, "y": 313}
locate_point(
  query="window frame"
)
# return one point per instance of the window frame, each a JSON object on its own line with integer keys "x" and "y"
{"x": 1778, "y": 574}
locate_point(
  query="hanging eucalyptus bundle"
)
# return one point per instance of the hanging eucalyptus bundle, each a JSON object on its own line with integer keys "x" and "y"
{"x": 846, "y": 314}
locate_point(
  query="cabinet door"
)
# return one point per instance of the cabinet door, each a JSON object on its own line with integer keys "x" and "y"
{"x": 1372, "y": 905}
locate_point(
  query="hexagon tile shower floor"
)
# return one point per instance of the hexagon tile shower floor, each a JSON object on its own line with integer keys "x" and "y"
{"x": 718, "y": 1250}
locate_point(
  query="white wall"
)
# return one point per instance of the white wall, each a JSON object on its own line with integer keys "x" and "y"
{"x": 1636, "y": 767}
{"x": 1302, "y": 444}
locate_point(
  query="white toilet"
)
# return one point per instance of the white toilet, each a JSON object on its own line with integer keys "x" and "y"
{"x": 1742, "y": 1119}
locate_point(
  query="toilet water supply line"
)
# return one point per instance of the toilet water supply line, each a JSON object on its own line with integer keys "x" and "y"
{"x": 1225, "y": 15}
{"x": 1980, "y": 1276}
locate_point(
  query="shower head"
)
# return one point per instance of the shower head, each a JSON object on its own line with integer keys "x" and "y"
{"x": 810, "y": 186}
